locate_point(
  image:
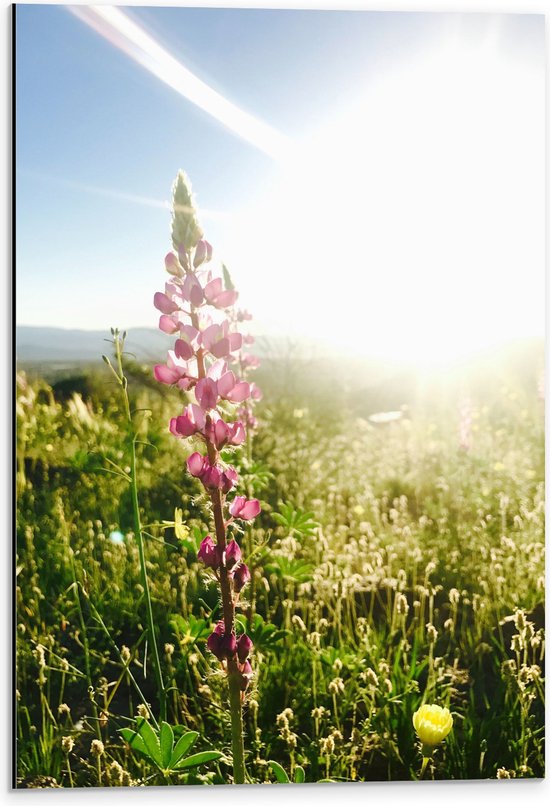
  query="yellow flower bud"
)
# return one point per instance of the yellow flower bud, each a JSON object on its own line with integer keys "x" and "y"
{"x": 432, "y": 724}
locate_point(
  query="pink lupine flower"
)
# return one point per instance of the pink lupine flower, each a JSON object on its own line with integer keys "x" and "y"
{"x": 190, "y": 422}
{"x": 244, "y": 647}
{"x": 232, "y": 554}
{"x": 249, "y": 361}
{"x": 226, "y": 387}
{"x": 216, "y": 295}
{"x": 192, "y": 290}
{"x": 196, "y": 464}
{"x": 185, "y": 346}
{"x": 220, "y": 645}
{"x": 206, "y": 392}
{"x": 230, "y": 478}
{"x": 211, "y": 477}
{"x": 241, "y": 577}
{"x": 219, "y": 341}
{"x": 203, "y": 253}
{"x": 175, "y": 371}
{"x": 209, "y": 553}
{"x": 255, "y": 391}
{"x": 222, "y": 433}
{"x": 245, "y": 509}
{"x": 168, "y": 324}
{"x": 164, "y": 304}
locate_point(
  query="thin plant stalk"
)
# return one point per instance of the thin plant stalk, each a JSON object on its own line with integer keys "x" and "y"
{"x": 123, "y": 381}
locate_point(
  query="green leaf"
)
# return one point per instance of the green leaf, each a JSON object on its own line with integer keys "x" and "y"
{"x": 166, "y": 743}
{"x": 299, "y": 775}
{"x": 185, "y": 743}
{"x": 198, "y": 758}
{"x": 134, "y": 740}
{"x": 150, "y": 739}
{"x": 227, "y": 278}
{"x": 279, "y": 772}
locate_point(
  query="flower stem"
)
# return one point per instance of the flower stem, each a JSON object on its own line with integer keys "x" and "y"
{"x": 138, "y": 533}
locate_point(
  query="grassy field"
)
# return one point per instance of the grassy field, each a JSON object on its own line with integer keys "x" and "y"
{"x": 394, "y": 563}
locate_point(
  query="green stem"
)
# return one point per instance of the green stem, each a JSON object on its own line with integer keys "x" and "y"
{"x": 139, "y": 535}
{"x": 228, "y": 607}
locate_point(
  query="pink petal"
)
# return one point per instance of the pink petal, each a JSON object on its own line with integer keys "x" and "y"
{"x": 210, "y": 336}
{"x": 213, "y": 288}
{"x": 206, "y": 392}
{"x": 164, "y": 304}
{"x": 221, "y": 348}
{"x": 236, "y": 505}
{"x": 183, "y": 350}
{"x": 226, "y": 299}
{"x": 164, "y": 374}
{"x": 250, "y": 510}
{"x": 236, "y": 341}
{"x": 195, "y": 464}
{"x": 226, "y": 383}
{"x": 168, "y": 325}
{"x": 240, "y": 392}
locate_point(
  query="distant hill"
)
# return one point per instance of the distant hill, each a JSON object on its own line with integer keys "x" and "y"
{"x": 47, "y": 344}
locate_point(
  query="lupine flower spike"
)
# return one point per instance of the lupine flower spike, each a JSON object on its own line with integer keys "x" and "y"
{"x": 207, "y": 363}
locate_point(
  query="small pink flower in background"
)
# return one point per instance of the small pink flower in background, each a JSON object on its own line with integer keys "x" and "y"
{"x": 244, "y": 647}
{"x": 246, "y": 675}
{"x": 245, "y": 509}
{"x": 232, "y": 554}
{"x": 249, "y": 361}
{"x": 241, "y": 577}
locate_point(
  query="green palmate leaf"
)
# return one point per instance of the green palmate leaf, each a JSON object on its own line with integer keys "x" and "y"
{"x": 150, "y": 740}
{"x": 185, "y": 743}
{"x": 134, "y": 740}
{"x": 299, "y": 775}
{"x": 279, "y": 772}
{"x": 197, "y": 758}
{"x": 166, "y": 743}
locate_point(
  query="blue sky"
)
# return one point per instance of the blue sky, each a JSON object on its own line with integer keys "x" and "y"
{"x": 91, "y": 124}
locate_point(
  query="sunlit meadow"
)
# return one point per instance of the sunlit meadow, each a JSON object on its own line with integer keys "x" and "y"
{"x": 217, "y": 587}
{"x": 295, "y": 534}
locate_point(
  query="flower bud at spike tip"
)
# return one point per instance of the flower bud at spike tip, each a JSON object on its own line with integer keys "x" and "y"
{"x": 241, "y": 577}
{"x": 186, "y": 231}
{"x": 232, "y": 554}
